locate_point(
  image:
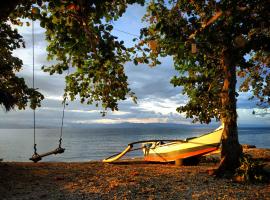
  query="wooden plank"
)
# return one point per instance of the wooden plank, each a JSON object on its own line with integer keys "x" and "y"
{"x": 37, "y": 157}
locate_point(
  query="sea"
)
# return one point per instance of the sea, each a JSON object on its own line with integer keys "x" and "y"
{"x": 97, "y": 143}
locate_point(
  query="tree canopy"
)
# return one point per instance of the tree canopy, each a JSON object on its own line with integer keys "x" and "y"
{"x": 79, "y": 37}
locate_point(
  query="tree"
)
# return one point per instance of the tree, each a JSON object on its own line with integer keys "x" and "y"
{"x": 213, "y": 42}
{"x": 13, "y": 90}
{"x": 79, "y": 38}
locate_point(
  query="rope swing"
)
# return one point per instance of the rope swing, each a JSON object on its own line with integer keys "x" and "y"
{"x": 37, "y": 157}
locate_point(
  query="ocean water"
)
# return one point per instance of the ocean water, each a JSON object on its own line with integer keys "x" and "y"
{"x": 88, "y": 144}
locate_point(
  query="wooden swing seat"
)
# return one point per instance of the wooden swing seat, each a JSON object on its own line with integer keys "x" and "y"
{"x": 37, "y": 157}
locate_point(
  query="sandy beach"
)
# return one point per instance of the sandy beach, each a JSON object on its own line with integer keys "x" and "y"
{"x": 97, "y": 180}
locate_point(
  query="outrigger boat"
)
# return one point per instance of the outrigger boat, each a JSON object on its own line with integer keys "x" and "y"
{"x": 172, "y": 150}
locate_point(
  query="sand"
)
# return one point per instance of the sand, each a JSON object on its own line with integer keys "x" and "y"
{"x": 97, "y": 180}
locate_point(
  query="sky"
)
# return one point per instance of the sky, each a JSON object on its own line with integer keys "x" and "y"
{"x": 157, "y": 98}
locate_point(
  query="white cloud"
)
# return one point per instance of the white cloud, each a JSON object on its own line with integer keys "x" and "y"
{"x": 49, "y": 108}
{"x": 160, "y": 106}
{"x": 135, "y": 120}
{"x": 129, "y": 120}
{"x": 84, "y": 111}
{"x": 54, "y": 97}
{"x": 116, "y": 113}
{"x": 246, "y": 116}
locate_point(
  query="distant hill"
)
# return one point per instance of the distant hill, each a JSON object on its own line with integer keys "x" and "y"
{"x": 121, "y": 125}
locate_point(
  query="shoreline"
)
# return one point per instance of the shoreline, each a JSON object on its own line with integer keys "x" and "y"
{"x": 97, "y": 180}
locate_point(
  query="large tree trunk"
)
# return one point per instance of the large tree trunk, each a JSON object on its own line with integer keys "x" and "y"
{"x": 231, "y": 149}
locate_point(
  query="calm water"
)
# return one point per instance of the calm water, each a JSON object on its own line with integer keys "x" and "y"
{"x": 98, "y": 143}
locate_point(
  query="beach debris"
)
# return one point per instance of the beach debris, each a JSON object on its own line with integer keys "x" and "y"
{"x": 59, "y": 178}
{"x": 248, "y": 146}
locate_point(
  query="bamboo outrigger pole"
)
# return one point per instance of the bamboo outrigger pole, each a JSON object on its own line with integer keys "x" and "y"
{"x": 117, "y": 156}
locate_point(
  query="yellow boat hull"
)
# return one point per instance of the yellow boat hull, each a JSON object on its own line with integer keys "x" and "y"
{"x": 172, "y": 151}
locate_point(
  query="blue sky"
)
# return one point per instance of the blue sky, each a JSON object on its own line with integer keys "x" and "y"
{"x": 157, "y": 98}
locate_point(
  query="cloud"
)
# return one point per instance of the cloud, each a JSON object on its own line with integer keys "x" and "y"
{"x": 131, "y": 23}
{"x": 130, "y": 120}
{"x": 246, "y": 117}
{"x": 244, "y": 102}
{"x": 160, "y": 106}
{"x": 125, "y": 120}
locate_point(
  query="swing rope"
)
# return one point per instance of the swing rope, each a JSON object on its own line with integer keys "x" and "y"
{"x": 62, "y": 123}
{"x": 63, "y": 115}
{"x": 33, "y": 81}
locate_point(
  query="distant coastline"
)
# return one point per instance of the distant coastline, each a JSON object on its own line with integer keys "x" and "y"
{"x": 128, "y": 125}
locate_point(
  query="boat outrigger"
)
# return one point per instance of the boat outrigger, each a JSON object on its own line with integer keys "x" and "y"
{"x": 172, "y": 150}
